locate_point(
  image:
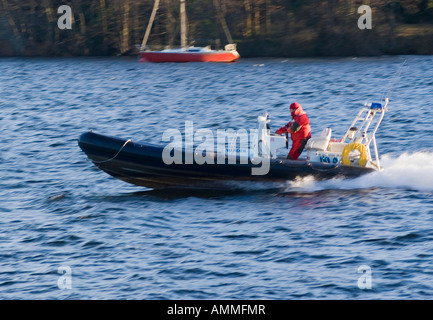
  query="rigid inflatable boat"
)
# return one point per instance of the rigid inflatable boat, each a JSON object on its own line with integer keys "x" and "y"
{"x": 182, "y": 165}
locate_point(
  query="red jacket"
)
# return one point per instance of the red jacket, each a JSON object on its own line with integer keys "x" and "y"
{"x": 299, "y": 127}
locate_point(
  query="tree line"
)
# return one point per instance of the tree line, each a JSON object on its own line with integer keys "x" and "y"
{"x": 283, "y": 28}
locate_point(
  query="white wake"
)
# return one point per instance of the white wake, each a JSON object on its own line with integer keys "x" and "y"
{"x": 408, "y": 171}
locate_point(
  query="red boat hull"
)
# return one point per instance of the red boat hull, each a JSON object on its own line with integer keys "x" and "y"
{"x": 216, "y": 56}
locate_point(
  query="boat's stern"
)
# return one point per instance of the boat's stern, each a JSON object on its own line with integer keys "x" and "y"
{"x": 353, "y": 149}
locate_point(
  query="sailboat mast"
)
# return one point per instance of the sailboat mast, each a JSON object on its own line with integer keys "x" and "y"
{"x": 182, "y": 24}
{"x": 149, "y": 26}
{"x": 217, "y": 4}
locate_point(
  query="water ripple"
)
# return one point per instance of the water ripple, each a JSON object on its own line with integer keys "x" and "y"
{"x": 302, "y": 239}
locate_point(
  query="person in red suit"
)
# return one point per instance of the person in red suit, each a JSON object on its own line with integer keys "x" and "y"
{"x": 299, "y": 129}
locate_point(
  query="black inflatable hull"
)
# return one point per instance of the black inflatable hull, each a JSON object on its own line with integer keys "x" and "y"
{"x": 141, "y": 164}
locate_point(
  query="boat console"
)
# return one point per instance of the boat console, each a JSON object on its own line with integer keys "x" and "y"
{"x": 268, "y": 145}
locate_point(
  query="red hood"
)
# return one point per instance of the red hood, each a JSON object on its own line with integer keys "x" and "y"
{"x": 298, "y": 109}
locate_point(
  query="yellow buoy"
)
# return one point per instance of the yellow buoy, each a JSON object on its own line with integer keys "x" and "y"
{"x": 354, "y": 146}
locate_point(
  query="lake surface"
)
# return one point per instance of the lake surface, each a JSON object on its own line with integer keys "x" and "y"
{"x": 70, "y": 231}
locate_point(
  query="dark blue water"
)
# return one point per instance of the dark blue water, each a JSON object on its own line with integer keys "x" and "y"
{"x": 296, "y": 240}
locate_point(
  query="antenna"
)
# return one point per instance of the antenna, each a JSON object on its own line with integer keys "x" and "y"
{"x": 392, "y": 82}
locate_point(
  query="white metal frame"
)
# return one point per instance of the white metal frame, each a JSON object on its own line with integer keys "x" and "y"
{"x": 366, "y": 119}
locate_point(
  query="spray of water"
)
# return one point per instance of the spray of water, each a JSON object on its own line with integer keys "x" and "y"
{"x": 408, "y": 171}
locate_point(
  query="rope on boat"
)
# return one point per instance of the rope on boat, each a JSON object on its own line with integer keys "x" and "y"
{"x": 126, "y": 142}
